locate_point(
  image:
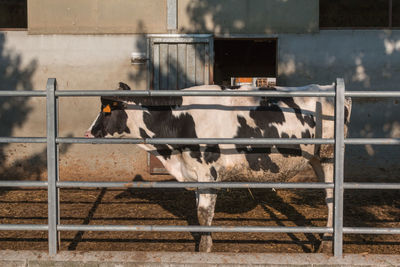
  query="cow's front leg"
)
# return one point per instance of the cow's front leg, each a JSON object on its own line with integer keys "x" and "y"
{"x": 324, "y": 172}
{"x": 206, "y": 199}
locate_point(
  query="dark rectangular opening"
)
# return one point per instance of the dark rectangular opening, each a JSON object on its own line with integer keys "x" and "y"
{"x": 244, "y": 58}
{"x": 396, "y": 13}
{"x": 13, "y": 14}
{"x": 355, "y": 13}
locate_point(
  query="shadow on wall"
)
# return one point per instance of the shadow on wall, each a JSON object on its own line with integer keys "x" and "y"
{"x": 249, "y": 16}
{"x": 367, "y": 60}
{"x": 14, "y": 112}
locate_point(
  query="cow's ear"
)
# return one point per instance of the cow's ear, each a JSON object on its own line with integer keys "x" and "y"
{"x": 123, "y": 86}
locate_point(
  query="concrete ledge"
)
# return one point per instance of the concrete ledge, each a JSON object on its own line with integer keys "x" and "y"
{"x": 110, "y": 258}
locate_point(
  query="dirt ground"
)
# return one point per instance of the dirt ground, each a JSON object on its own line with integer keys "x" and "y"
{"x": 177, "y": 206}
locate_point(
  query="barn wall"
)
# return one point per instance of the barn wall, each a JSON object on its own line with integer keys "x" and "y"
{"x": 97, "y": 16}
{"x": 78, "y": 62}
{"x": 367, "y": 60}
{"x": 150, "y": 16}
{"x": 248, "y": 16}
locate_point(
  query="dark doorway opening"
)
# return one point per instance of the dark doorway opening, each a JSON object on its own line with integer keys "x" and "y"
{"x": 244, "y": 58}
{"x": 13, "y": 14}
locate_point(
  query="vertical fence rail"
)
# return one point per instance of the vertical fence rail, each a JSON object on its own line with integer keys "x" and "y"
{"x": 52, "y": 166}
{"x": 339, "y": 169}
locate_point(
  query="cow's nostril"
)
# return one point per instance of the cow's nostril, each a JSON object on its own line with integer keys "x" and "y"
{"x": 88, "y": 134}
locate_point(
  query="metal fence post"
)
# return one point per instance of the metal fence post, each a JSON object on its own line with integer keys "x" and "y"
{"x": 339, "y": 168}
{"x": 52, "y": 165}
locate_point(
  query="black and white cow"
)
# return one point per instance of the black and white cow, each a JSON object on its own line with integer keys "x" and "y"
{"x": 227, "y": 117}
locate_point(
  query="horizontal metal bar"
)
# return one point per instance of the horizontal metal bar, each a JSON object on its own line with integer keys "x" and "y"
{"x": 22, "y": 139}
{"x": 191, "y": 141}
{"x": 179, "y": 35}
{"x": 102, "y": 93}
{"x": 372, "y": 93}
{"x": 368, "y": 230}
{"x": 194, "y": 93}
{"x": 67, "y": 140}
{"x": 186, "y": 141}
{"x": 193, "y": 228}
{"x": 240, "y": 141}
{"x": 372, "y": 141}
{"x": 42, "y": 93}
{"x": 73, "y": 184}
{"x": 23, "y": 93}
{"x": 395, "y": 186}
{"x": 24, "y": 227}
{"x": 16, "y": 183}
{"x": 243, "y": 93}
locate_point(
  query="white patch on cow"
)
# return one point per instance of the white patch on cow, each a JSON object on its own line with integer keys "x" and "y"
{"x": 93, "y": 123}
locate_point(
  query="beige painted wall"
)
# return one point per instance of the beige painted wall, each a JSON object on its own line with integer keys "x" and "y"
{"x": 194, "y": 16}
{"x": 248, "y": 16}
{"x": 96, "y": 16}
{"x": 84, "y": 62}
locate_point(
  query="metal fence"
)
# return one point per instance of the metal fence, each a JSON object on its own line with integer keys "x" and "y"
{"x": 53, "y": 184}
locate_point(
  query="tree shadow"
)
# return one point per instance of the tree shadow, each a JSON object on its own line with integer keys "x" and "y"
{"x": 16, "y": 75}
{"x": 14, "y": 111}
{"x": 181, "y": 204}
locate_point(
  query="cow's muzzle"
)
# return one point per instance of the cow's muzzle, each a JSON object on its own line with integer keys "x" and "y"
{"x": 88, "y": 134}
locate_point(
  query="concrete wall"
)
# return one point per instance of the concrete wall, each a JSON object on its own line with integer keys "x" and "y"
{"x": 78, "y": 62}
{"x": 97, "y": 16}
{"x": 248, "y": 16}
{"x": 150, "y": 16}
{"x": 367, "y": 60}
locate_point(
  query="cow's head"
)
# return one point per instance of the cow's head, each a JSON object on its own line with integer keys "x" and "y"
{"x": 112, "y": 120}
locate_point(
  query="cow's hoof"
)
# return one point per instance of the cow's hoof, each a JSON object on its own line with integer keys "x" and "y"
{"x": 326, "y": 246}
{"x": 205, "y": 243}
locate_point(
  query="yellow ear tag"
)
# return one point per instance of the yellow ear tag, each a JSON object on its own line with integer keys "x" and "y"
{"x": 115, "y": 104}
{"x": 107, "y": 109}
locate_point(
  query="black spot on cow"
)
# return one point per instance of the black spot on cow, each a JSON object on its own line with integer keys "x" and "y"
{"x": 306, "y": 134}
{"x": 289, "y": 101}
{"x": 266, "y": 113}
{"x": 143, "y": 133}
{"x": 289, "y": 150}
{"x": 112, "y": 119}
{"x": 213, "y": 173}
{"x": 309, "y": 119}
{"x": 162, "y": 149}
{"x": 293, "y": 150}
{"x": 211, "y": 153}
{"x": 257, "y": 156}
{"x": 233, "y": 87}
{"x": 124, "y": 86}
{"x": 165, "y": 125}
